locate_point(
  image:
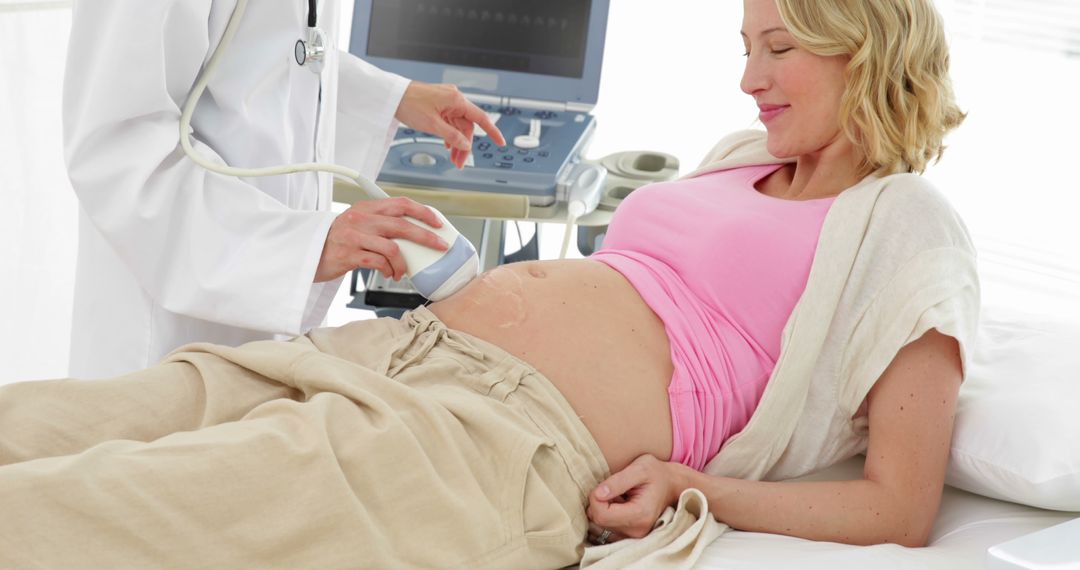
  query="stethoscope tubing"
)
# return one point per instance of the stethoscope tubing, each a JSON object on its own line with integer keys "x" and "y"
{"x": 193, "y": 100}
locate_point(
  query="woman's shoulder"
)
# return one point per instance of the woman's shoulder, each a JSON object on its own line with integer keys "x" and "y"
{"x": 913, "y": 192}
{"x": 914, "y": 205}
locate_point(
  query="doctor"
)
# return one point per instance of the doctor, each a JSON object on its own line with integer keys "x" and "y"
{"x": 170, "y": 253}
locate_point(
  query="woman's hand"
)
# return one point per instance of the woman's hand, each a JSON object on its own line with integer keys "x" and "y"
{"x": 443, "y": 110}
{"x": 361, "y": 237}
{"x": 631, "y": 501}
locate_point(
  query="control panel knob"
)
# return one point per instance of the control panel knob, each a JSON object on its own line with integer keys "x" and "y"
{"x": 531, "y": 140}
{"x": 526, "y": 142}
{"x": 422, "y": 159}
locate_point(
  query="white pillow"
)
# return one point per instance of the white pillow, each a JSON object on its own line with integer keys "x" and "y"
{"x": 1017, "y": 432}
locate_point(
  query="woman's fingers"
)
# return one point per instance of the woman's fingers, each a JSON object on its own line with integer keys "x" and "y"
{"x": 631, "y": 500}
{"x": 621, "y": 482}
{"x": 634, "y": 518}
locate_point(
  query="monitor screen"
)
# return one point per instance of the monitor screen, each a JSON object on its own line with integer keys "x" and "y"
{"x": 545, "y": 37}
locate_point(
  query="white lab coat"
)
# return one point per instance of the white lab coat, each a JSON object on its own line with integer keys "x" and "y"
{"x": 170, "y": 253}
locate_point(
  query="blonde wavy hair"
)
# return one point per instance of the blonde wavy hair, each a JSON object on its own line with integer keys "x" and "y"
{"x": 899, "y": 102}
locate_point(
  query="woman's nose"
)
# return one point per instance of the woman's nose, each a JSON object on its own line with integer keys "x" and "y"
{"x": 754, "y": 78}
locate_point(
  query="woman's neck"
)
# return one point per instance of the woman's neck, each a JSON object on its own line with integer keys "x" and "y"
{"x": 826, "y": 172}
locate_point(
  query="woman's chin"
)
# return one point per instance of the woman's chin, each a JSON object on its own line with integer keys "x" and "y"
{"x": 778, "y": 149}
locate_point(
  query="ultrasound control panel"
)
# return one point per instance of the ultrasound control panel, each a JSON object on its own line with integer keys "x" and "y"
{"x": 540, "y": 145}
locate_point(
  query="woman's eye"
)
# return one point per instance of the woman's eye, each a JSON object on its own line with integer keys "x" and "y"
{"x": 781, "y": 50}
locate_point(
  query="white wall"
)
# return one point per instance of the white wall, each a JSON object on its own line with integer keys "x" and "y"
{"x": 670, "y": 83}
{"x": 38, "y": 210}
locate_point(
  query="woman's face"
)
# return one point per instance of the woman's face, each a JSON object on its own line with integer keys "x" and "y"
{"x": 797, "y": 92}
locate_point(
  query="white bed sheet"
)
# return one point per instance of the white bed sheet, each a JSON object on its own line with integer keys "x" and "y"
{"x": 966, "y": 527}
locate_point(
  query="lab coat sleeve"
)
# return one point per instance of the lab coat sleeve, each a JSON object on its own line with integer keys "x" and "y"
{"x": 200, "y": 244}
{"x": 368, "y": 98}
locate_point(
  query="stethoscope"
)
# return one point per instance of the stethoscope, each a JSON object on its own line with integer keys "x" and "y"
{"x": 435, "y": 274}
{"x": 310, "y": 53}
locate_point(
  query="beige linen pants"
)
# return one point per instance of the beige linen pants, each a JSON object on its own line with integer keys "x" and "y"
{"x": 381, "y": 444}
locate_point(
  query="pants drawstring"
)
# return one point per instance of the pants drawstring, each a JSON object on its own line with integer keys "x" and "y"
{"x": 432, "y": 332}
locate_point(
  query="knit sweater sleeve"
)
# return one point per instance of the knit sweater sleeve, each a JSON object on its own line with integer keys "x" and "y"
{"x": 934, "y": 284}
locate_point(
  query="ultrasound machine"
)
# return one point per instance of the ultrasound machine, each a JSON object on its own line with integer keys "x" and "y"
{"x": 534, "y": 67}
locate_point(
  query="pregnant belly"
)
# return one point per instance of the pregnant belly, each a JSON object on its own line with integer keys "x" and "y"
{"x": 585, "y": 328}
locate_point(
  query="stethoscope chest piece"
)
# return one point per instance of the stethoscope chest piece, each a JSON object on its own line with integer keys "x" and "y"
{"x": 311, "y": 53}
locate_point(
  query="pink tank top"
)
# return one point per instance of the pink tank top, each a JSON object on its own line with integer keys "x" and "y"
{"x": 722, "y": 265}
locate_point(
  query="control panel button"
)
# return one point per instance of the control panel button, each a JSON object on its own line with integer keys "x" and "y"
{"x": 504, "y": 164}
{"x": 528, "y": 159}
{"x": 508, "y": 157}
{"x": 488, "y": 155}
{"x": 526, "y": 142}
{"x": 422, "y": 159}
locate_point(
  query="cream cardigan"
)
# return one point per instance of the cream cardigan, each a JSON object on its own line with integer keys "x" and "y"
{"x": 894, "y": 260}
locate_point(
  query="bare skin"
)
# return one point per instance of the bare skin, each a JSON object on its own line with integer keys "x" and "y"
{"x": 584, "y": 327}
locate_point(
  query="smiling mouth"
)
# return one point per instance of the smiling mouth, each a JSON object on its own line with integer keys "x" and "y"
{"x": 769, "y": 113}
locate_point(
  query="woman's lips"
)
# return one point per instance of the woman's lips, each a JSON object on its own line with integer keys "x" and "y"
{"x": 770, "y": 112}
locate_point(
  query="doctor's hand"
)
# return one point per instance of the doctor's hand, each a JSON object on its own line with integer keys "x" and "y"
{"x": 442, "y": 109}
{"x": 631, "y": 501}
{"x": 360, "y": 237}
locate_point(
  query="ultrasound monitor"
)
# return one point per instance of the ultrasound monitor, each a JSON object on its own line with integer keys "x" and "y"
{"x": 549, "y": 50}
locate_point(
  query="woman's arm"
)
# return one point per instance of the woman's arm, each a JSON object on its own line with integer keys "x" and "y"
{"x": 911, "y": 410}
